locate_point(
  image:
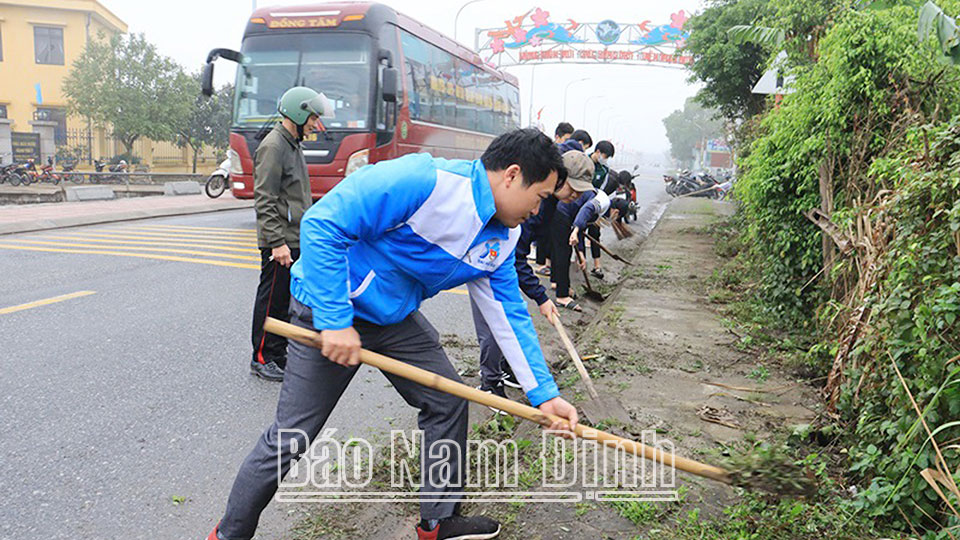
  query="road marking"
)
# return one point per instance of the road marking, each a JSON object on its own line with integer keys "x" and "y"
{"x": 134, "y": 243}
{"x": 254, "y": 231}
{"x": 162, "y": 250}
{"x": 136, "y": 237}
{"x": 135, "y": 255}
{"x": 464, "y": 292}
{"x": 204, "y": 234}
{"x": 172, "y": 236}
{"x": 48, "y": 301}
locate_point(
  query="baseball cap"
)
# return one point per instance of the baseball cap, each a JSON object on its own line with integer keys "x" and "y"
{"x": 579, "y": 170}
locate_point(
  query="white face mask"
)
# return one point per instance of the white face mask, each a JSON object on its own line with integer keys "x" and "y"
{"x": 602, "y": 160}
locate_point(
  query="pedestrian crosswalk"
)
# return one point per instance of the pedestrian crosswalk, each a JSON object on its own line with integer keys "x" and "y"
{"x": 198, "y": 245}
{"x": 236, "y": 248}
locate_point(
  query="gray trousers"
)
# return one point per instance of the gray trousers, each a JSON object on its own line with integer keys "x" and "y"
{"x": 491, "y": 357}
{"x": 312, "y": 385}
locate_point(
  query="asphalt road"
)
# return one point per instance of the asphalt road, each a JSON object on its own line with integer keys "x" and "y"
{"x": 135, "y": 391}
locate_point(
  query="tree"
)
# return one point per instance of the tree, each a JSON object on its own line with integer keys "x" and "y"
{"x": 728, "y": 69}
{"x": 124, "y": 83}
{"x": 208, "y": 120}
{"x": 689, "y": 128}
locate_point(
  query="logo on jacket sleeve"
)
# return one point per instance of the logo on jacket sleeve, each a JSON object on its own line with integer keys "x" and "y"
{"x": 485, "y": 254}
{"x": 492, "y": 250}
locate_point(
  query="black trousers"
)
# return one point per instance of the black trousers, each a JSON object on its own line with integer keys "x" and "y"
{"x": 593, "y": 231}
{"x": 560, "y": 251}
{"x": 543, "y": 247}
{"x": 273, "y": 300}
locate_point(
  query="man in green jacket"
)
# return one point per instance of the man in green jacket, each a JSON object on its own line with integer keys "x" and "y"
{"x": 281, "y": 194}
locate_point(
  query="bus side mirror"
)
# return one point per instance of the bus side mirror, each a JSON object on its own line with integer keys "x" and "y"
{"x": 206, "y": 82}
{"x": 390, "y": 85}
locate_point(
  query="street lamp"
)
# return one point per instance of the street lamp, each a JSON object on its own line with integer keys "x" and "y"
{"x": 565, "y": 95}
{"x": 457, "y": 17}
{"x": 585, "y": 105}
{"x": 600, "y": 115}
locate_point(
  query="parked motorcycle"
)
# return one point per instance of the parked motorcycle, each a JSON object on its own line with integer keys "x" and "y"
{"x": 11, "y": 175}
{"x": 219, "y": 180}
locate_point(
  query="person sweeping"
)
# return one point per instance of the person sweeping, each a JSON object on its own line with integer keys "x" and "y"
{"x": 382, "y": 241}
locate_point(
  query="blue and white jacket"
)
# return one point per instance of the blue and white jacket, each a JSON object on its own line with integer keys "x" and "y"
{"x": 393, "y": 234}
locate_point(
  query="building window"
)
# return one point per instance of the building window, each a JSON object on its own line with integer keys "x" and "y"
{"x": 48, "y": 45}
{"x": 1, "y": 45}
{"x": 3, "y": 111}
{"x": 54, "y": 115}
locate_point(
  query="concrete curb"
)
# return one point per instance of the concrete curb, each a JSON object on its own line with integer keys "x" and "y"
{"x": 130, "y": 215}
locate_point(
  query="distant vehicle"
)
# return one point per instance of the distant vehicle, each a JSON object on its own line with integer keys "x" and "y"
{"x": 398, "y": 87}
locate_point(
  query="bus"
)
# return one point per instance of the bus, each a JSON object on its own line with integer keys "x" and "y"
{"x": 397, "y": 86}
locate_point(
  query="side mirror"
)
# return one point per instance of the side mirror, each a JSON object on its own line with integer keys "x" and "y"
{"x": 390, "y": 85}
{"x": 206, "y": 81}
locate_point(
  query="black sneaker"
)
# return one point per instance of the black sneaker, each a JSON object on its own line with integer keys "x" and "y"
{"x": 509, "y": 379}
{"x": 597, "y": 273}
{"x": 269, "y": 371}
{"x": 497, "y": 391}
{"x": 458, "y": 527}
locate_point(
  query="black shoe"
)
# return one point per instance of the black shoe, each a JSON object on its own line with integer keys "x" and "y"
{"x": 597, "y": 273}
{"x": 497, "y": 391}
{"x": 269, "y": 371}
{"x": 509, "y": 379}
{"x": 458, "y": 527}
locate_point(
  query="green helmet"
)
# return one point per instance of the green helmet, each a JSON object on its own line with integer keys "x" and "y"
{"x": 299, "y": 102}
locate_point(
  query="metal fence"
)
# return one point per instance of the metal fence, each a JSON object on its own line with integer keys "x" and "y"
{"x": 86, "y": 145}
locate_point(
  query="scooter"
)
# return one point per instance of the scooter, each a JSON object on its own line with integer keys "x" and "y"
{"x": 219, "y": 180}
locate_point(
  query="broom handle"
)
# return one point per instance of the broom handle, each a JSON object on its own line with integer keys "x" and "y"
{"x": 608, "y": 252}
{"x": 572, "y": 351}
{"x": 432, "y": 380}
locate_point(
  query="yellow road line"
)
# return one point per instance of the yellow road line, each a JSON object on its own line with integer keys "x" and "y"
{"x": 45, "y": 302}
{"x": 161, "y": 250}
{"x": 254, "y": 231}
{"x": 137, "y": 237}
{"x": 206, "y": 234}
{"x": 135, "y": 243}
{"x": 178, "y": 236}
{"x": 135, "y": 255}
{"x": 458, "y": 291}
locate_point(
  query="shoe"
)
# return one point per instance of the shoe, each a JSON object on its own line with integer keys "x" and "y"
{"x": 269, "y": 371}
{"x": 497, "y": 391}
{"x": 509, "y": 379}
{"x": 457, "y": 527}
{"x": 597, "y": 273}
{"x": 213, "y": 533}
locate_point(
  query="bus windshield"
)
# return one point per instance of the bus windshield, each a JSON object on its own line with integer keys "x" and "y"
{"x": 337, "y": 64}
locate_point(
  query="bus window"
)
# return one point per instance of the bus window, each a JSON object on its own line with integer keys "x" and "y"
{"x": 336, "y": 64}
{"x": 416, "y": 74}
{"x": 445, "y": 83}
{"x": 466, "y": 90}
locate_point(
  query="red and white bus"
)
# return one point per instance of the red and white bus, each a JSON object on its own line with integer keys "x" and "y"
{"x": 398, "y": 87}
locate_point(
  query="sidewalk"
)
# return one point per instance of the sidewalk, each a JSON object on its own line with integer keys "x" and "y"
{"x": 45, "y": 216}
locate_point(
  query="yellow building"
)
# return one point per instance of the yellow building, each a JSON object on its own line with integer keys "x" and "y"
{"x": 39, "y": 40}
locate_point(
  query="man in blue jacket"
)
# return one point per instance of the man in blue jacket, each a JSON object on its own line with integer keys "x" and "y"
{"x": 379, "y": 243}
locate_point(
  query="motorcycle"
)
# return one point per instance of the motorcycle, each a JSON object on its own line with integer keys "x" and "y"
{"x": 10, "y": 174}
{"x": 694, "y": 185}
{"x": 219, "y": 180}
